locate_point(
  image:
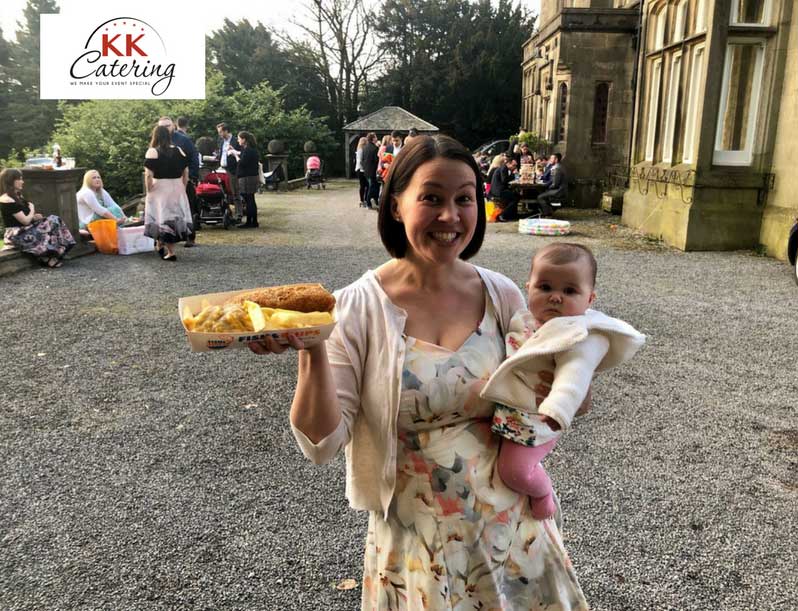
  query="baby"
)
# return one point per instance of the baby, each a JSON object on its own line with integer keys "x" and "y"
{"x": 558, "y": 334}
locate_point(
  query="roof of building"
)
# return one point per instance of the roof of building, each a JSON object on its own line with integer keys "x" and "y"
{"x": 389, "y": 118}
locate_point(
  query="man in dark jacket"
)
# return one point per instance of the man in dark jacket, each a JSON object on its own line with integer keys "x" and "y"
{"x": 370, "y": 164}
{"x": 180, "y": 138}
{"x": 500, "y": 190}
{"x": 229, "y": 162}
{"x": 558, "y": 188}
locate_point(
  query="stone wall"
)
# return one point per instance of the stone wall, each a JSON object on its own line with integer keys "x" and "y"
{"x": 782, "y": 202}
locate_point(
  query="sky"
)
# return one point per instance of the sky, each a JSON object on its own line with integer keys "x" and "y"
{"x": 205, "y": 14}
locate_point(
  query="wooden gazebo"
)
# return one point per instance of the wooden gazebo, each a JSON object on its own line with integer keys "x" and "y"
{"x": 381, "y": 122}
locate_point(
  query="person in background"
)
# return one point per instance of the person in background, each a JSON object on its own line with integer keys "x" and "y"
{"x": 557, "y": 187}
{"x": 95, "y": 203}
{"x": 370, "y": 166}
{"x": 167, "y": 216}
{"x": 181, "y": 138}
{"x": 526, "y": 155}
{"x": 361, "y": 175}
{"x": 46, "y": 238}
{"x": 501, "y": 193}
{"x": 396, "y": 143}
{"x": 228, "y": 162}
{"x": 247, "y": 158}
{"x": 412, "y": 133}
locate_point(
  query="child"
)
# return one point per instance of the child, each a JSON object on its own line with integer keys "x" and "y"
{"x": 560, "y": 334}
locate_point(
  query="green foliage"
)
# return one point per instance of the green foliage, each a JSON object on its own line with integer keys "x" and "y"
{"x": 32, "y": 119}
{"x": 454, "y": 63}
{"x": 247, "y": 55}
{"x": 112, "y": 136}
{"x": 535, "y": 142}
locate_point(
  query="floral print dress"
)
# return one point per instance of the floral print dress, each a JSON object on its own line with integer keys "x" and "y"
{"x": 456, "y": 538}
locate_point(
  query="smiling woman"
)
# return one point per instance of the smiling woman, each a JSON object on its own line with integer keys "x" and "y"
{"x": 397, "y": 384}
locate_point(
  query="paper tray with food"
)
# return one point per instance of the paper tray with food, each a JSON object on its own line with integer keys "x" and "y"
{"x": 218, "y": 321}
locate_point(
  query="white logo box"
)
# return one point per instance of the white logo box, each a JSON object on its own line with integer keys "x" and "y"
{"x": 207, "y": 342}
{"x": 121, "y": 54}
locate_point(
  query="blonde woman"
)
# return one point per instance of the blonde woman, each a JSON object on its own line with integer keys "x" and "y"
{"x": 361, "y": 175}
{"x": 94, "y": 202}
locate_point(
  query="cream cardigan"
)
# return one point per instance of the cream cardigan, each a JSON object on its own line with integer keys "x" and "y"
{"x": 366, "y": 353}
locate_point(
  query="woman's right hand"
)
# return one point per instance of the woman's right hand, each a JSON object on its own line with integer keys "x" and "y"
{"x": 270, "y": 345}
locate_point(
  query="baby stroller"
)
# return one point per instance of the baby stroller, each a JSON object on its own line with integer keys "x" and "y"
{"x": 214, "y": 197}
{"x": 315, "y": 178}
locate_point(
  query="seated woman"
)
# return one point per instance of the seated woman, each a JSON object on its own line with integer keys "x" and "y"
{"x": 94, "y": 202}
{"x": 47, "y": 239}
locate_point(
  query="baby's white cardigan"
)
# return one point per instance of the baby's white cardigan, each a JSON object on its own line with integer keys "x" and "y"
{"x": 576, "y": 345}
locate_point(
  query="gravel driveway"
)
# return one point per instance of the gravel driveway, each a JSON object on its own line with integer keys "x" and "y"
{"x": 136, "y": 475}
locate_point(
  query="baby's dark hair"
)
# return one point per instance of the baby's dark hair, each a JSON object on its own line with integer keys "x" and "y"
{"x": 561, "y": 253}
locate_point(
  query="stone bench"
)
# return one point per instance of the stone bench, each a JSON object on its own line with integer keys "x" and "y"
{"x": 13, "y": 261}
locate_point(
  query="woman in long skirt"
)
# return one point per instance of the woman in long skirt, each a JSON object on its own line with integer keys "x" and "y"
{"x": 46, "y": 238}
{"x": 167, "y": 215}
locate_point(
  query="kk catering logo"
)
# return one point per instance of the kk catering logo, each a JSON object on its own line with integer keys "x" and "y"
{"x": 120, "y": 58}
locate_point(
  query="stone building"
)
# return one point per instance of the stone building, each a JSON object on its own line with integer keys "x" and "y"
{"x": 699, "y": 117}
{"x": 578, "y": 87}
{"x": 713, "y": 140}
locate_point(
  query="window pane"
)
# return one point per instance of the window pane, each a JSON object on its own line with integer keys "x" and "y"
{"x": 738, "y": 99}
{"x": 653, "y": 107}
{"x": 750, "y": 11}
{"x": 600, "y": 106}
{"x": 696, "y": 78}
{"x": 562, "y": 115}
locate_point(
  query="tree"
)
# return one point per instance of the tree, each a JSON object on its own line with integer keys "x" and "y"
{"x": 32, "y": 119}
{"x": 247, "y": 55}
{"x": 455, "y": 63}
{"x": 340, "y": 47}
{"x": 5, "y": 94}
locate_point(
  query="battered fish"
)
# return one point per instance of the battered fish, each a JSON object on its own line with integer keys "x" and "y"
{"x": 296, "y": 297}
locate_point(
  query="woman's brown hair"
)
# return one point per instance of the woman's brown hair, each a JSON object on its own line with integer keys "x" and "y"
{"x": 7, "y": 179}
{"x": 161, "y": 138}
{"x": 248, "y": 138}
{"x": 420, "y": 150}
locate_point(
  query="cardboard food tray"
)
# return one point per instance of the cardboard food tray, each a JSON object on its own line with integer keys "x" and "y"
{"x": 206, "y": 342}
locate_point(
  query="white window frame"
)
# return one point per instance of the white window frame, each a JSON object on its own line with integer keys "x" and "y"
{"x": 744, "y": 157}
{"x": 694, "y": 94}
{"x": 679, "y": 22}
{"x": 766, "y": 15}
{"x": 659, "y": 27}
{"x": 671, "y": 104}
{"x": 700, "y": 16}
{"x": 653, "y": 107}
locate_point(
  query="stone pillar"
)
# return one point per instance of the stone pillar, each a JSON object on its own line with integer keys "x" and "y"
{"x": 54, "y": 192}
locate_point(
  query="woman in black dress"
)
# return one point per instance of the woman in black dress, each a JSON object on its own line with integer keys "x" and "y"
{"x": 248, "y": 176}
{"x": 167, "y": 216}
{"x": 46, "y": 238}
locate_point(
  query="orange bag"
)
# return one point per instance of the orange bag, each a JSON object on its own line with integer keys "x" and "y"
{"x": 104, "y": 233}
{"x": 492, "y": 211}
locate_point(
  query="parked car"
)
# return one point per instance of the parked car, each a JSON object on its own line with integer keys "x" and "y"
{"x": 493, "y": 148}
{"x": 792, "y": 250}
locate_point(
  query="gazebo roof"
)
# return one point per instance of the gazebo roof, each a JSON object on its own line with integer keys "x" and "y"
{"x": 389, "y": 118}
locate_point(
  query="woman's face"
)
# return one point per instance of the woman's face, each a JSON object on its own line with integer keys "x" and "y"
{"x": 438, "y": 210}
{"x": 242, "y": 141}
{"x": 18, "y": 183}
{"x": 96, "y": 181}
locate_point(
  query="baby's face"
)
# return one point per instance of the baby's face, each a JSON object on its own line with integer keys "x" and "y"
{"x": 559, "y": 290}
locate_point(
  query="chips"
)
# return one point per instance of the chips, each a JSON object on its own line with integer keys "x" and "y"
{"x": 250, "y": 317}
